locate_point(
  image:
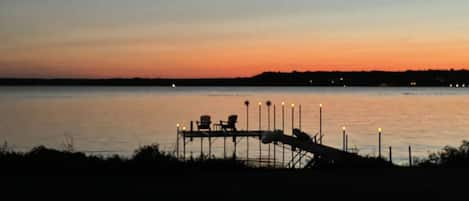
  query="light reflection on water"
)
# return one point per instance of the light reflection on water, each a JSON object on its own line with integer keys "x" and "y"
{"x": 107, "y": 120}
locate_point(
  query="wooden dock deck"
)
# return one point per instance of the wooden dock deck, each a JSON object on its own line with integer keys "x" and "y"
{"x": 218, "y": 133}
{"x": 303, "y": 144}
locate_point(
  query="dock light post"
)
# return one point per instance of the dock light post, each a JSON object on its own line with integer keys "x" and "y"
{"x": 275, "y": 127}
{"x": 292, "y": 117}
{"x": 320, "y": 123}
{"x": 379, "y": 142}
{"x": 268, "y": 103}
{"x": 343, "y": 138}
{"x": 177, "y": 141}
{"x": 283, "y": 132}
{"x": 292, "y": 128}
{"x": 260, "y": 109}
{"x": 260, "y": 127}
{"x": 184, "y": 143}
{"x": 247, "y": 128}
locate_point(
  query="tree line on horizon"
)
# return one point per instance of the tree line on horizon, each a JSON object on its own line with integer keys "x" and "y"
{"x": 308, "y": 78}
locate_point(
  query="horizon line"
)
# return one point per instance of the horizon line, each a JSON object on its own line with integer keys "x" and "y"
{"x": 236, "y": 77}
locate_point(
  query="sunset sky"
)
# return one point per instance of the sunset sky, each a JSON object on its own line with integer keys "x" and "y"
{"x": 228, "y": 38}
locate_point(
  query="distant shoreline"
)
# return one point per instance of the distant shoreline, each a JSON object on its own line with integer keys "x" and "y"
{"x": 429, "y": 78}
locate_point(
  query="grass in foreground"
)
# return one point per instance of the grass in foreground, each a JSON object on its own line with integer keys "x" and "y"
{"x": 151, "y": 160}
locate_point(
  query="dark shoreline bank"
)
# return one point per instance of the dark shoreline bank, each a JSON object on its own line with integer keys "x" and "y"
{"x": 441, "y": 78}
{"x": 149, "y": 172}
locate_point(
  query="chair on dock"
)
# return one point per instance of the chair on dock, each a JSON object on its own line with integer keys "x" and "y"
{"x": 204, "y": 123}
{"x": 230, "y": 124}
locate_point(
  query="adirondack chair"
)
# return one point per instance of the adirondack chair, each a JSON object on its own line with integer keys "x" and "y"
{"x": 230, "y": 124}
{"x": 204, "y": 123}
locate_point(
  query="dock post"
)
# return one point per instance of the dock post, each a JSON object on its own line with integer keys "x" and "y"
{"x": 209, "y": 147}
{"x": 177, "y": 141}
{"x": 275, "y": 143}
{"x": 343, "y": 138}
{"x": 201, "y": 147}
{"x": 247, "y": 128}
{"x": 390, "y": 154}
{"x": 299, "y": 117}
{"x": 260, "y": 127}
{"x": 268, "y": 103}
{"x": 410, "y": 156}
{"x": 379, "y": 142}
{"x": 224, "y": 147}
{"x": 346, "y": 143}
{"x": 234, "y": 151}
{"x": 283, "y": 132}
{"x": 292, "y": 128}
{"x": 320, "y": 123}
{"x": 184, "y": 145}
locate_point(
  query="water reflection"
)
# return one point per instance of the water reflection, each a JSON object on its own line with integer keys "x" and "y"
{"x": 119, "y": 119}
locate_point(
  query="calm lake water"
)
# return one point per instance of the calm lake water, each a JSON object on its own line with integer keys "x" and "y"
{"x": 117, "y": 120}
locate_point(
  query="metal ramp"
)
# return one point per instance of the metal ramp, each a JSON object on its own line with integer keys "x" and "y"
{"x": 302, "y": 142}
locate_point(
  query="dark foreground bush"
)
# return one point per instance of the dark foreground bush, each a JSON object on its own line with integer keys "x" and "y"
{"x": 146, "y": 160}
{"x": 449, "y": 157}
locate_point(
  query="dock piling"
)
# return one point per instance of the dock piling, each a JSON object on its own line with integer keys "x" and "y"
{"x": 410, "y": 156}
{"x": 275, "y": 143}
{"x": 260, "y": 128}
{"x": 247, "y": 128}
{"x": 343, "y": 138}
{"x": 209, "y": 147}
{"x": 201, "y": 148}
{"x": 320, "y": 123}
{"x": 283, "y": 131}
{"x": 292, "y": 128}
{"x": 177, "y": 141}
{"x": 379, "y": 142}
{"x": 390, "y": 154}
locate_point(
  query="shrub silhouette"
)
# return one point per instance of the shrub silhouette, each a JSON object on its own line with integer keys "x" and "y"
{"x": 449, "y": 157}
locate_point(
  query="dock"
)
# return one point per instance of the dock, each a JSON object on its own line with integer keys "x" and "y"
{"x": 300, "y": 144}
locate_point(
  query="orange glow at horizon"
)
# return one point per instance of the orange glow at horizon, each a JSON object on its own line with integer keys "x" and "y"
{"x": 245, "y": 59}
